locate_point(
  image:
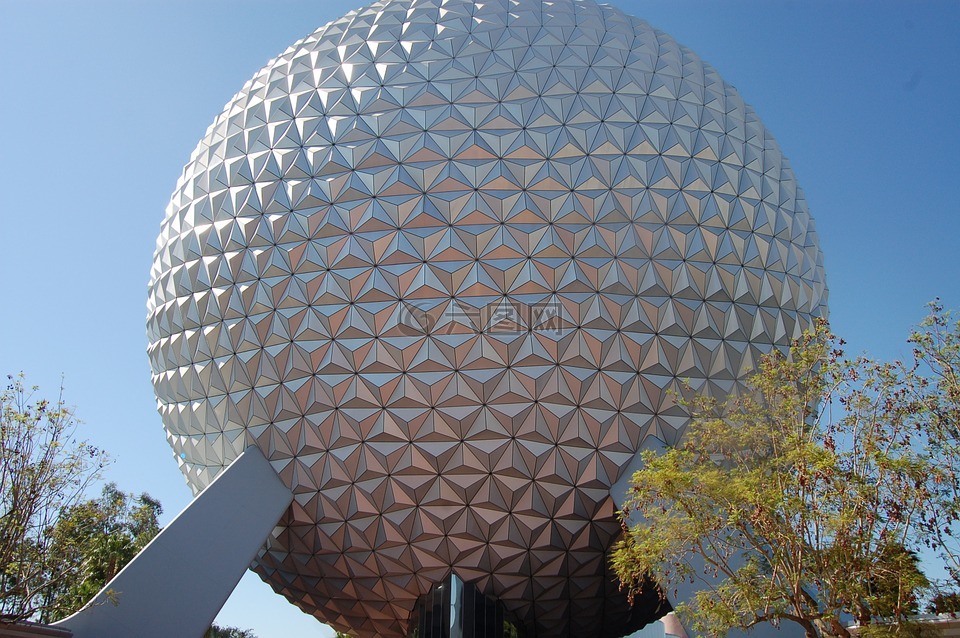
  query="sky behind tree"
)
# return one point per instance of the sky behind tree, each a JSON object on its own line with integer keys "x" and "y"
{"x": 103, "y": 103}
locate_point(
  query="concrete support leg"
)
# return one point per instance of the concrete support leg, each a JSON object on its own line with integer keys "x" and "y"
{"x": 178, "y": 583}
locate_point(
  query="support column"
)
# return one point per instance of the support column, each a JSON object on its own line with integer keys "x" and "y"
{"x": 178, "y": 583}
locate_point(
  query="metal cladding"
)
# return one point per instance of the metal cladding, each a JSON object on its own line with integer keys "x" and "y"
{"x": 442, "y": 262}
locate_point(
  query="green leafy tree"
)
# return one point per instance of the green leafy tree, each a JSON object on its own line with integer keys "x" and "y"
{"x": 937, "y": 396}
{"x": 45, "y": 469}
{"x": 947, "y": 602}
{"x": 798, "y": 500}
{"x": 216, "y": 631}
{"x": 100, "y": 535}
{"x": 884, "y": 589}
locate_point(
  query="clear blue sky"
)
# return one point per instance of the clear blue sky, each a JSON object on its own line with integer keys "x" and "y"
{"x": 102, "y": 102}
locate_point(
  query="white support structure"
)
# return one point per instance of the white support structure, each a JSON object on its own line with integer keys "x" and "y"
{"x": 178, "y": 583}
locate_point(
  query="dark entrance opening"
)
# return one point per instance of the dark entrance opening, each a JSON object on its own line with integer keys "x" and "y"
{"x": 455, "y": 609}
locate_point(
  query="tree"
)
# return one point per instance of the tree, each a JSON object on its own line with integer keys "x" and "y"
{"x": 216, "y": 631}
{"x": 101, "y": 536}
{"x": 937, "y": 395}
{"x": 945, "y": 603}
{"x": 798, "y": 500}
{"x": 904, "y": 564}
{"x": 44, "y": 469}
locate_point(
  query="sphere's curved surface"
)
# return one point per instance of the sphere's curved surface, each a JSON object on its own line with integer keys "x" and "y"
{"x": 442, "y": 262}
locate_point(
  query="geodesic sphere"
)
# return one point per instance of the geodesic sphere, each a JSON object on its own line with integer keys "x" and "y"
{"x": 442, "y": 262}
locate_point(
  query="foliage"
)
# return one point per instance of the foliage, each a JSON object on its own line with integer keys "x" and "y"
{"x": 884, "y": 590}
{"x": 937, "y": 396}
{"x": 44, "y": 469}
{"x": 781, "y": 510}
{"x": 947, "y": 602}
{"x": 102, "y": 535}
{"x": 216, "y": 631}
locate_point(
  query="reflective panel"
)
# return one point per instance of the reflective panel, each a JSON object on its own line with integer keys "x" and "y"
{"x": 442, "y": 262}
